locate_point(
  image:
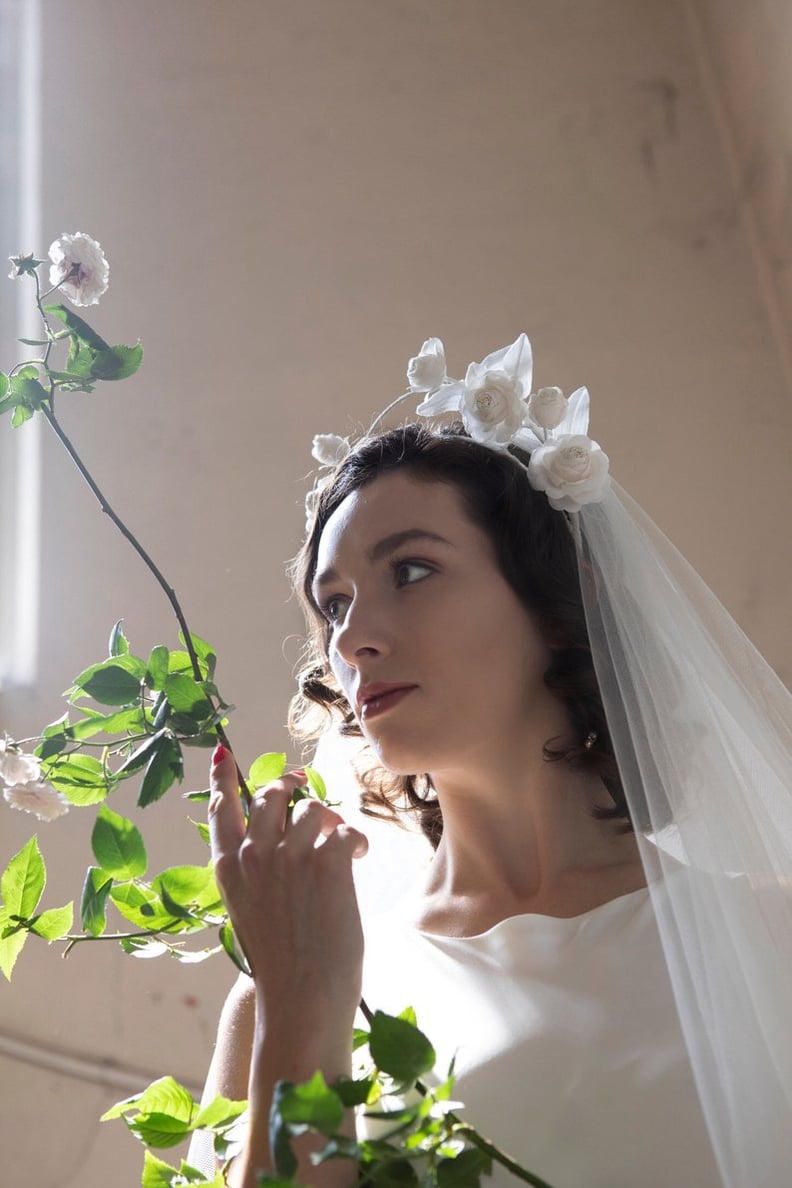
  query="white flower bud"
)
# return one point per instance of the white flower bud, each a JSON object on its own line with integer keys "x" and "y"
{"x": 329, "y": 449}
{"x": 428, "y": 369}
{"x": 547, "y": 407}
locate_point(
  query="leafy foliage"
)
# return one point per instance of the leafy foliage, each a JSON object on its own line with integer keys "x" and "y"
{"x": 138, "y": 715}
{"x": 21, "y": 887}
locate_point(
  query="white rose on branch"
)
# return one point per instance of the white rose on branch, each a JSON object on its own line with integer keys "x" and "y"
{"x": 547, "y": 408}
{"x": 38, "y": 798}
{"x": 572, "y": 471}
{"x": 79, "y": 267}
{"x": 16, "y": 767}
{"x": 427, "y": 370}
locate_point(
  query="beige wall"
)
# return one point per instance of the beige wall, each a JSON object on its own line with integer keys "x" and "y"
{"x": 292, "y": 196}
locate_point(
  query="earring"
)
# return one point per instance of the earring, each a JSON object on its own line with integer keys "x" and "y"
{"x": 590, "y": 739}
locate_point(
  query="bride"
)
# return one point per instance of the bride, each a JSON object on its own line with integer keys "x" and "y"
{"x": 521, "y": 678}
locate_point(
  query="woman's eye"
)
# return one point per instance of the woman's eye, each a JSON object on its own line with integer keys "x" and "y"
{"x": 408, "y": 572}
{"x": 334, "y": 609}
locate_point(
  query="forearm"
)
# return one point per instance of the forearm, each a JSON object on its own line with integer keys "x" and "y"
{"x": 292, "y": 1046}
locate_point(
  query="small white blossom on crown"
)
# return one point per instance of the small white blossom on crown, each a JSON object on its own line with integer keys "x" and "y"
{"x": 498, "y": 409}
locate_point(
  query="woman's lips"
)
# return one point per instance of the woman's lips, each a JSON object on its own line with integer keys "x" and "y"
{"x": 380, "y": 703}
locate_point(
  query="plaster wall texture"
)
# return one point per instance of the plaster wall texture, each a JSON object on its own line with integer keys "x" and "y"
{"x": 292, "y": 197}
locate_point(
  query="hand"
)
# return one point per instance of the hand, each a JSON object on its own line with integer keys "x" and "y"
{"x": 287, "y": 883}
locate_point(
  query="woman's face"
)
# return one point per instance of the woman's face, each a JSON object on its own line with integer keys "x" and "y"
{"x": 434, "y": 651}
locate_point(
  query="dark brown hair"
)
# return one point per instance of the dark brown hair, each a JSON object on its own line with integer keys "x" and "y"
{"x": 536, "y": 554}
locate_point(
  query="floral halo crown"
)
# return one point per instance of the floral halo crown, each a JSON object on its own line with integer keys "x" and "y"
{"x": 498, "y": 409}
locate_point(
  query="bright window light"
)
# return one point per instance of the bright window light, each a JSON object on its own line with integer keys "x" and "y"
{"x": 20, "y": 230}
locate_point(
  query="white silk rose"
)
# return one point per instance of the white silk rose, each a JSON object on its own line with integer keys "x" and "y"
{"x": 572, "y": 470}
{"x": 38, "y": 798}
{"x": 329, "y": 449}
{"x": 494, "y": 411}
{"x": 427, "y": 370}
{"x": 491, "y": 397}
{"x": 79, "y": 267}
{"x": 547, "y": 408}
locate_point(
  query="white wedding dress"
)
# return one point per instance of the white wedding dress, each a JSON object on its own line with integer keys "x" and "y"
{"x": 569, "y": 1054}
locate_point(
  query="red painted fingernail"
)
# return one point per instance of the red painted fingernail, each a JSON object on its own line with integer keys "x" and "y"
{"x": 219, "y": 754}
{"x": 298, "y": 771}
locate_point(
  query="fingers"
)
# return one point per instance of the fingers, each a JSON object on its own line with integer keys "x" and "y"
{"x": 269, "y": 814}
{"x": 350, "y": 840}
{"x": 226, "y": 817}
{"x": 311, "y": 820}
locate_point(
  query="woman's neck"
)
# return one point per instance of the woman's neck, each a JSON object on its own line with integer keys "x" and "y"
{"x": 529, "y": 845}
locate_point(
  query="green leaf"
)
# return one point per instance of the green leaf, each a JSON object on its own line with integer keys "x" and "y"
{"x": 79, "y": 362}
{"x": 207, "y": 657}
{"x": 157, "y": 667}
{"x": 316, "y": 783}
{"x": 142, "y": 754}
{"x": 395, "y": 1173}
{"x": 158, "y": 1130}
{"x": 21, "y": 414}
{"x": 353, "y": 1093}
{"x": 140, "y": 905}
{"x": 118, "y": 644}
{"x": 399, "y": 1049}
{"x": 312, "y": 1103}
{"x": 229, "y": 942}
{"x": 219, "y": 1112}
{"x": 203, "y": 650}
{"x": 93, "y": 905}
{"x": 81, "y": 778}
{"x": 4, "y": 381}
{"x": 268, "y": 767}
{"x": 118, "y": 845}
{"x": 187, "y": 885}
{"x": 77, "y": 326}
{"x": 23, "y": 880}
{"x": 186, "y": 696}
{"x": 28, "y": 391}
{"x": 117, "y": 363}
{"x": 163, "y": 1096}
{"x": 94, "y": 722}
{"x": 180, "y": 662}
{"x": 10, "y": 946}
{"x": 203, "y": 830}
{"x": 165, "y": 767}
{"x": 54, "y": 923}
{"x": 279, "y": 1137}
{"x": 463, "y": 1170}
{"x": 113, "y": 682}
{"x": 156, "y": 1173}
{"x": 165, "y": 1113}
{"x": 184, "y": 725}
{"x": 56, "y": 727}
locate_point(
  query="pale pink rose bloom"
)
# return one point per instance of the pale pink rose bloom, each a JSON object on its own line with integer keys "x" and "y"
{"x": 37, "y": 798}
{"x": 80, "y": 259}
{"x": 16, "y": 767}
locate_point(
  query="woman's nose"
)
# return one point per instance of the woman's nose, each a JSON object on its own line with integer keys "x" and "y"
{"x": 361, "y": 635}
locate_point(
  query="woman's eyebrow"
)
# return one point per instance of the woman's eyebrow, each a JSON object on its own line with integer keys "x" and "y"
{"x": 381, "y": 549}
